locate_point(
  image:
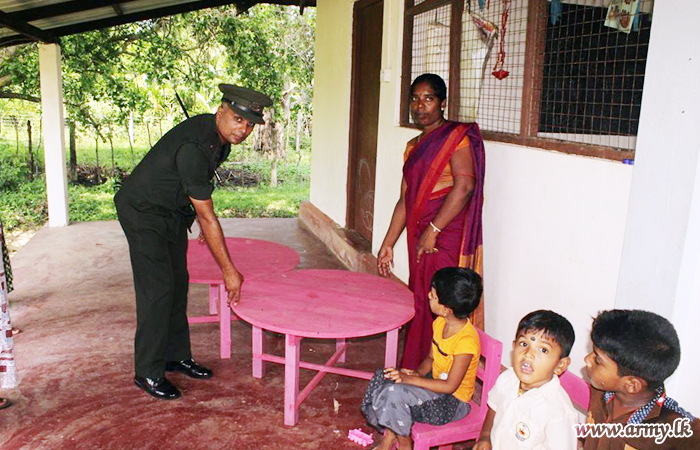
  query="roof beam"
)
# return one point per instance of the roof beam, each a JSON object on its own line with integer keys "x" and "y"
{"x": 76, "y": 6}
{"x": 25, "y": 29}
{"x": 62, "y": 9}
{"x": 138, "y": 16}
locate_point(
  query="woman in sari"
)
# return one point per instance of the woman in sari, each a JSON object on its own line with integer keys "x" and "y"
{"x": 440, "y": 206}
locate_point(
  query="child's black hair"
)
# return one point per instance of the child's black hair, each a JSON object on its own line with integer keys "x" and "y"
{"x": 641, "y": 343}
{"x": 553, "y": 325}
{"x": 459, "y": 289}
{"x": 436, "y": 83}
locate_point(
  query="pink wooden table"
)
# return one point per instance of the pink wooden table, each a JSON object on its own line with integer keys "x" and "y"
{"x": 252, "y": 257}
{"x": 328, "y": 304}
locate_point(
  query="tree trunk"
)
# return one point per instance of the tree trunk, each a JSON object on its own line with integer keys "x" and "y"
{"x": 111, "y": 146}
{"x": 31, "y": 151}
{"x": 16, "y": 124}
{"x": 287, "y": 114}
{"x": 273, "y": 171}
{"x": 269, "y": 144}
{"x": 129, "y": 130}
{"x": 73, "y": 155}
{"x": 277, "y": 152}
{"x": 97, "y": 157}
{"x": 300, "y": 122}
{"x": 148, "y": 130}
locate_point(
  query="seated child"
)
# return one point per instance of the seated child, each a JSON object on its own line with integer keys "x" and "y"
{"x": 528, "y": 408}
{"x": 633, "y": 353}
{"x": 440, "y": 390}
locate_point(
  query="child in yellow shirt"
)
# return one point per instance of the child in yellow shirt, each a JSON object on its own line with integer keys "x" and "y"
{"x": 439, "y": 391}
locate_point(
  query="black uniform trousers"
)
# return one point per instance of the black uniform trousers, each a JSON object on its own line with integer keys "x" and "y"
{"x": 161, "y": 282}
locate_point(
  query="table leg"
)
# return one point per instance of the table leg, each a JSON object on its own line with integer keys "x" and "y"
{"x": 392, "y": 348}
{"x": 339, "y": 343}
{"x": 258, "y": 350}
{"x": 213, "y": 299}
{"x": 291, "y": 379}
{"x": 224, "y": 323}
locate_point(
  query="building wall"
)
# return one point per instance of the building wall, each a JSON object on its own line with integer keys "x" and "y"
{"x": 554, "y": 224}
{"x": 331, "y": 120}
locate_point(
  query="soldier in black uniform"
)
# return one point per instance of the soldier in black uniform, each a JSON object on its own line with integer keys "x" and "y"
{"x": 156, "y": 205}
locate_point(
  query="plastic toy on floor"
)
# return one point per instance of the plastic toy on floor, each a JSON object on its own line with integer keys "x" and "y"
{"x": 358, "y": 437}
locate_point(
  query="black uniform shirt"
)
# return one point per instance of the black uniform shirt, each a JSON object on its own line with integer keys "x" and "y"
{"x": 179, "y": 166}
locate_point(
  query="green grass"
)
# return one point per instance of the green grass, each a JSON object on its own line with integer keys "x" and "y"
{"x": 23, "y": 202}
{"x": 263, "y": 201}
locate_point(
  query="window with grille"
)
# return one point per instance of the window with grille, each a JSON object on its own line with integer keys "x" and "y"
{"x": 575, "y": 68}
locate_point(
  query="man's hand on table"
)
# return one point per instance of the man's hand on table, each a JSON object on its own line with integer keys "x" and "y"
{"x": 201, "y": 238}
{"x": 233, "y": 282}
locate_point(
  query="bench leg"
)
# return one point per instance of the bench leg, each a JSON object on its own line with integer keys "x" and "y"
{"x": 213, "y": 299}
{"x": 392, "y": 348}
{"x": 291, "y": 379}
{"x": 339, "y": 343}
{"x": 224, "y": 323}
{"x": 258, "y": 350}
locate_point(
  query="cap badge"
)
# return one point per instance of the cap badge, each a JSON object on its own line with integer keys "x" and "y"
{"x": 256, "y": 107}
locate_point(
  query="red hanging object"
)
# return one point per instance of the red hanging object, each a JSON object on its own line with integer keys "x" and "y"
{"x": 498, "y": 71}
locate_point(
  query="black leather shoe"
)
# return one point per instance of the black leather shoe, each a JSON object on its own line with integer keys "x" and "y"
{"x": 189, "y": 368}
{"x": 160, "y": 388}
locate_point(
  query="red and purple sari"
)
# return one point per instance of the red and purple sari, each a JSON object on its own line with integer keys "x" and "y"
{"x": 459, "y": 243}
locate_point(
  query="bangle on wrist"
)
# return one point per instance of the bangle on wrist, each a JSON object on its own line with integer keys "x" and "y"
{"x": 435, "y": 229}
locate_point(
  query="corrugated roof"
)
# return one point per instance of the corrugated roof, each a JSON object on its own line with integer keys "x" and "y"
{"x": 24, "y": 21}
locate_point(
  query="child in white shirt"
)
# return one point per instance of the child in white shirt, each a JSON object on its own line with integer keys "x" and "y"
{"x": 528, "y": 408}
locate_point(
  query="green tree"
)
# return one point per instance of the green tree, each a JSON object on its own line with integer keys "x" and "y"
{"x": 134, "y": 70}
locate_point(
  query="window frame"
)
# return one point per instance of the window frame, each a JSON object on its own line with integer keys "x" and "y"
{"x": 532, "y": 81}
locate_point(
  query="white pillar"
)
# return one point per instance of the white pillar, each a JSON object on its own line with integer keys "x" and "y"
{"x": 660, "y": 268}
{"x": 682, "y": 386}
{"x": 53, "y": 124}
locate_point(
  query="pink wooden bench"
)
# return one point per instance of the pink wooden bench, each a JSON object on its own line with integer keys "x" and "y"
{"x": 325, "y": 304}
{"x": 425, "y": 436}
{"x": 253, "y": 257}
{"x": 579, "y": 391}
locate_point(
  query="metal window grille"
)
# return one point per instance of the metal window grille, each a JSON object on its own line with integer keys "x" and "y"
{"x": 431, "y": 43}
{"x": 576, "y": 68}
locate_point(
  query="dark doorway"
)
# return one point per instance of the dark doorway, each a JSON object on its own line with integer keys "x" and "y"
{"x": 364, "y": 114}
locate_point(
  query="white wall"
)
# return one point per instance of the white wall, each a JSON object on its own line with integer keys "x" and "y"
{"x": 553, "y": 229}
{"x": 331, "y": 121}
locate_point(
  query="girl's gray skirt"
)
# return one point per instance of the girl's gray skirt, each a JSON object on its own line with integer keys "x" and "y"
{"x": 397, "y": 406}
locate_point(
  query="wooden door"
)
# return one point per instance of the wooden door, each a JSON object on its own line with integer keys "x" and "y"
{"x": 364, "y": 114}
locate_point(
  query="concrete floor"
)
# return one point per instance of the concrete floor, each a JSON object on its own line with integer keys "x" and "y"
{"x": 74, "y": 303}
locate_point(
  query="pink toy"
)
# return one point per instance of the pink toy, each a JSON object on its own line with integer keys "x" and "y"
{"x": 358, "y": 437}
